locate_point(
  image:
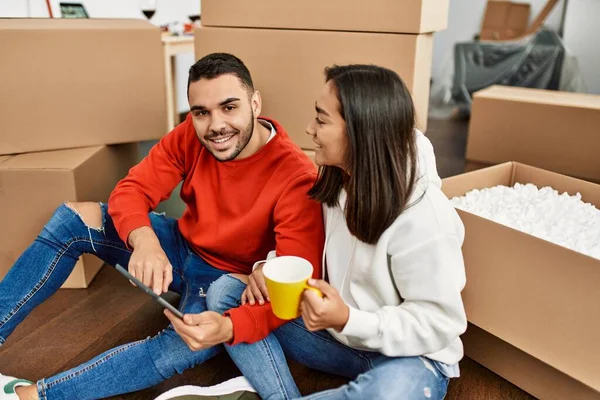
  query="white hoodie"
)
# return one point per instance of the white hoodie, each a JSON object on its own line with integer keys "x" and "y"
{"x": 404, "y": 291}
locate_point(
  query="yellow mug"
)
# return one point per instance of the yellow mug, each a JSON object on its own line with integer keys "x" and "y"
{"x": 286, "y": 278}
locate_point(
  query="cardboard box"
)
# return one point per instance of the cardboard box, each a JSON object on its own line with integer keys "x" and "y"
{"x": 539, "y": 297}
{"x": 289, "y": 73}
{"x": 523, "y": 370}
{"x": 474, "y": 166}
{"x": 557, "y": 131}
{"x": 311, "y": 155}
{"x": 504, "y": 20}
{"x": 407, "y": 16}
{"x": 33, "y": 185}
{"x": 76, "y": 83}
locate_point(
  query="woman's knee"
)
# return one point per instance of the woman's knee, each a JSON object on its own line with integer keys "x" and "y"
{"x": 410, "y": 377}
{"x": 224, "y": 294}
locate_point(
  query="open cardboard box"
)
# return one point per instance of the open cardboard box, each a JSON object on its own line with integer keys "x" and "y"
{"x": 393, "y": 16}
{"x": 535, "y": 305}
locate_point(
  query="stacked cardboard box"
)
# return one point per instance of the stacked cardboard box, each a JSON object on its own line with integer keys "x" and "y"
{"x": 87, "y": 86}
{"x": 547, "y": 129}
{"x": 286, "y": 46}
{"x": 533, "y": 306}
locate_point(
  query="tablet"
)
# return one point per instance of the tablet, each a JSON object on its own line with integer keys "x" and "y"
{"x": 149, "y": 291}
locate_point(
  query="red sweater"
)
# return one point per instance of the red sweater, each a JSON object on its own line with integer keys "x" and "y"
{"x": 236, "y": 211}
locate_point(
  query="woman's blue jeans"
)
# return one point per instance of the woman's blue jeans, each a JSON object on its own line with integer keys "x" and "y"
{"x": 374, "y": 376}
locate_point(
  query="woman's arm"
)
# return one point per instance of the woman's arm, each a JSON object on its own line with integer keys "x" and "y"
{"x": 430, "y": 278}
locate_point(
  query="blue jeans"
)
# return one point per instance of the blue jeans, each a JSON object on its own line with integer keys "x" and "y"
{"x": 46, "y": 264}
{"x": 374, "y": 376}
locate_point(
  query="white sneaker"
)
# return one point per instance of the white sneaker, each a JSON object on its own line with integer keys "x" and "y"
{"x": 8, "y": 384}
{"x": 236, "y": 388}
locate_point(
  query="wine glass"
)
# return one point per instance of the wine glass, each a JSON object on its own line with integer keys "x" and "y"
{"x": 149, "y": 8}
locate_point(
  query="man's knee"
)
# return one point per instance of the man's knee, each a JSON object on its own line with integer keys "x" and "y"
{"x": 225, "y": 293}
{"x": 89, "y": 212}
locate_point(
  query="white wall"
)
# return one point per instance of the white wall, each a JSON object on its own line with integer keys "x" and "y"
{"x": 582, "y": 37}
{"x": 582, "y": 33}
{"x": 166, "y": 11}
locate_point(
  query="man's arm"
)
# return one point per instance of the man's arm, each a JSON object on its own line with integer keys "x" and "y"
{"x": 299, "y": 232}
{"x": 148, "y": 183}
{"x": 299, "y": 223}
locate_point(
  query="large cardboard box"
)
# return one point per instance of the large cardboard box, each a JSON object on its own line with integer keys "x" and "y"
{"x": 289, "y": 72}
{"x": 504, "y": 20}
{"x": 539, "y": 298}
{"x": 74, "y": 83}
{"x": 522, "y": 369}
{"x": 557, "y": 131}
{"x": 311, "y": 155}
{"x": 33, "y": 185}
{"x": 406, "y": 16}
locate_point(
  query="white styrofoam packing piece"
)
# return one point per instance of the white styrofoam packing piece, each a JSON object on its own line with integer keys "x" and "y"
{"x": 559, "y": 218}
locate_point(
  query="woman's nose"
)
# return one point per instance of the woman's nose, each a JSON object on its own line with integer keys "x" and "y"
{"x": 310, "y": 129}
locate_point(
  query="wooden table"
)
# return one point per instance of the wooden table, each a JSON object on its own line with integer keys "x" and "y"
{"x": 173, "y": 45}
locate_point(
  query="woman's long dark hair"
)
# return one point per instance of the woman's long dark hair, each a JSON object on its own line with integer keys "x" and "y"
{"x": 381, "y": 155}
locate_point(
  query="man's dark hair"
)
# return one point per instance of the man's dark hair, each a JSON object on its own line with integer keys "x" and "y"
{"x": 381, "y": 155}
{"x": 216, "y": 64}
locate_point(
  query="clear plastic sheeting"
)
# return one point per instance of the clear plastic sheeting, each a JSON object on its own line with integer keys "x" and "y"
{"x": 538, "y": 61}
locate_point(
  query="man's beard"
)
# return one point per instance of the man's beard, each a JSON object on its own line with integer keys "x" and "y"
{"x": 243, "y": 139}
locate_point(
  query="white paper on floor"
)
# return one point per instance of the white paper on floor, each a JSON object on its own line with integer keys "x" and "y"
{"x": 559, "y": 218}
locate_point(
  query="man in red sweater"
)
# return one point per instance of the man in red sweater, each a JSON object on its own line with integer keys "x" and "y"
{"x": 245, "y": 187}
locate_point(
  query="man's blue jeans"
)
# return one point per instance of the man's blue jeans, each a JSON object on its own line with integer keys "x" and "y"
{"x": 47, "y": 263}
{"x": 374, "y": 376}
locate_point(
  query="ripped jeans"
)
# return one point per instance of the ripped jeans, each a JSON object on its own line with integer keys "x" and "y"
{"x": 46, "y": 264}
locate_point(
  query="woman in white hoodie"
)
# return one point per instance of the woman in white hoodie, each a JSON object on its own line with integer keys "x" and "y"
{"x": 392, "y": 313}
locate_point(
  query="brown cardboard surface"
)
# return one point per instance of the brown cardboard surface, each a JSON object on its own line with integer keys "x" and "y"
{"x": 407, "y": 16}
{"x": 33, "y": 185}
{"x": 474, "y": 166}
{"x": 289, "y": 70}
{"x": 523, "y": 370}
{"x": 76, "y": 83}
{"x": 504, "y": 20}
{"x": 310, "y": 154}
{"x": 531, "y": 293}
{"x": 552, "y": 130}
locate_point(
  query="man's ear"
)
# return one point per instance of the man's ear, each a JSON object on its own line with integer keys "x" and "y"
{"x": 256, "y": 103}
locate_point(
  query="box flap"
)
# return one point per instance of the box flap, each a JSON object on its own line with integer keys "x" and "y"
{"x": 79, "y": 24}
{"x": 590, "y": 192}
{"x": 458, "y": 185}
{"x": 60, "y": 159}
{"x": 540, "y": 96}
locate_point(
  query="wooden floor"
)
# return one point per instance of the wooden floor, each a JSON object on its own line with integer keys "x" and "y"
{"x": 76, "y": 325}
